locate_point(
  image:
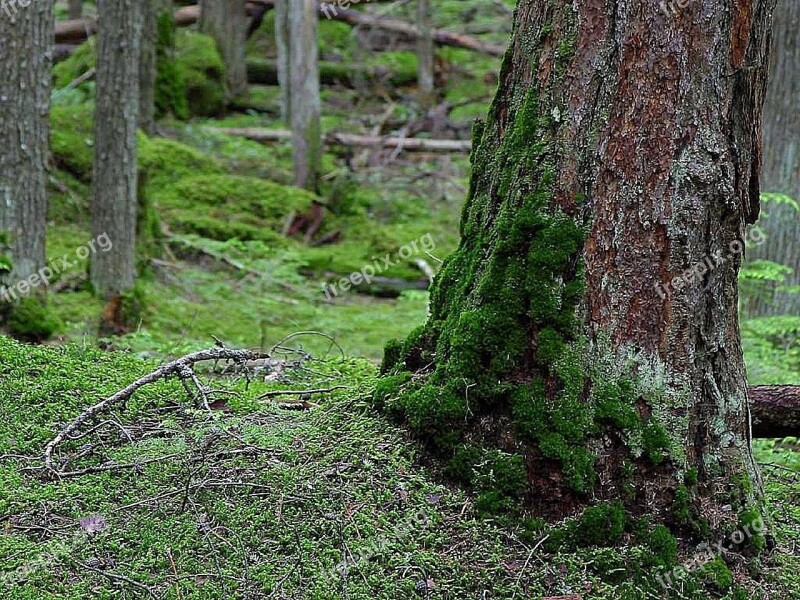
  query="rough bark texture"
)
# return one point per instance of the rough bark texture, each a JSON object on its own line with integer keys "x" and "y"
{"x": 147, "y": 66}
{"x": 301, "y": 95}
{"x": 781, "y": 171}
{"x": 282, "y": 36}
{"x": 75, "y": 9}
{"x": 26, "y": 50}
{"x": 776, "y": 410}
{"x": 425, "y": 53}
{"x": 226, "y": 21}
{"x": 114, "y": 177}
{"x": 621, "y": 150}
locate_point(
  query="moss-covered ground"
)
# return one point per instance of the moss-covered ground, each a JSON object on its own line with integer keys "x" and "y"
{"x": 259, "y": 501}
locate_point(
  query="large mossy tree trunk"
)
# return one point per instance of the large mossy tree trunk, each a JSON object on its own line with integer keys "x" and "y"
{"x": 26, "y": 42}
{"x": 564, "y": 362}
{"x": 782, "y": 163}
{"x": 226, "y": 21}
{"x": 114, "y": 179}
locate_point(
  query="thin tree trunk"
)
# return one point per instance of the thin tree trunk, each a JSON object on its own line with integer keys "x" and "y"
{"x": 621, "y": 151}
{"x": 301, "y": 59}
{"x": 26, "y": 41}
{"x": 282, "y": 47}
{"x": 75, "y": 9}
{"x": 227, "y": 22}
{"x": 782, "y": 161}
{"x": 425, "y": 53}
{"x": 147, "y": 66}
{"x": 114, "y": 180}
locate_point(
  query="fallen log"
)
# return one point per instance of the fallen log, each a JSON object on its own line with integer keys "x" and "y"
{"x": 76, "y": 31}
{"x": 265, "y": 72}
{"x": 350, "y": 139}
{"x": 775, "y": 410}
{"x": 441, "y": 37}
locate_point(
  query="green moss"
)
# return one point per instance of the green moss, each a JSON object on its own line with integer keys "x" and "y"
{"x": 389, "y": 387}
{"x": 681, "y": 506}
{"x": 223, "y": 207}
{"x": 165, "y": 161}
{"x": 30, "y": 320}
{"x": 170, "y": 89}
{"x": 200, "y": 66}
{"x": 663, "y": 547}
{"x": 751, "y": 525}
{"x": 71, "y": 135}
{"x": 717, "y": 574}
{"x": 655, "y": 441}
{"x": 76, "y": 64}
{"x": 601, "y": 525}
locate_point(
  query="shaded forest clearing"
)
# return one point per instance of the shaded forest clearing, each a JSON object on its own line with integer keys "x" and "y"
{"x": 284, "y": 482}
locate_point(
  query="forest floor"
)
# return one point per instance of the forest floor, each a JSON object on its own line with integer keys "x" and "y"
{"x": 254, "y": 499}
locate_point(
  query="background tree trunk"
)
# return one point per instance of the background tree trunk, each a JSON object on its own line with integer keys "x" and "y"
{"x": 782, "y": 161}
{"x": 303, "y": 90}
{"x": 148, "y": 65}
{"x": 114, "y": 199}
{"x": 620, "y": 152}
{"x": 26, "y": 41}
{"x": 75, "y": 9}
{"x": 425, "y": 51}
{"x": 226, "y": 21}
{"x": 282, "y": 46}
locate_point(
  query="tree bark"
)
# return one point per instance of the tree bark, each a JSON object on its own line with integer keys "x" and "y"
{"x": 299, "y": 67}
{"x": 114, "y": 181}
{"x": 282, "y": 37}
{"x": 26, "y": 42}
{"x": 147, "y": 66}
{"x": 621, "y": 151}
{"x": 75, "y": 9}
{"x": 227, "y": 22}
{"x": 425, "y": 53}
{"x": 782, "y": 162}
{"x": 776, "y": 411}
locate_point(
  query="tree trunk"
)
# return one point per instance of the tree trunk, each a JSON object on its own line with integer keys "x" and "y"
{"x": 282, "y": 46}
{"x": 425, "y": 53}
{"x": 782, "y": 162}
{"x": 114, "y": 199}
{"x": 147, "y": 66}
{"x": 75, "y": 9}
{"x": 298, "y": 66}
{"x": 566, "y": 360}
{"x": 227, "y": 22}
{"x": 26, "y": 42}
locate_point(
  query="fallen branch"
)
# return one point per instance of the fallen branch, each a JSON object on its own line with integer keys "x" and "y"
{"x": 265, "y": 72}
{"x": 77, "y": 30}
{"x": 353, "y": 140}
{"x": 775, "y": 410}
{"x": 181, "y": 367}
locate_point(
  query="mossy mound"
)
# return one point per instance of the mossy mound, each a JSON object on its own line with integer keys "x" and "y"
{"x": 197, "y": 69}
{"x": 164, "y": 161}
{"x": 30, "y": 320}
{"x": 79, "y": 62}
{"x": 71, "y": 135}
{"x": 202, "y": 71}
{"x": 222, "y": 207}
